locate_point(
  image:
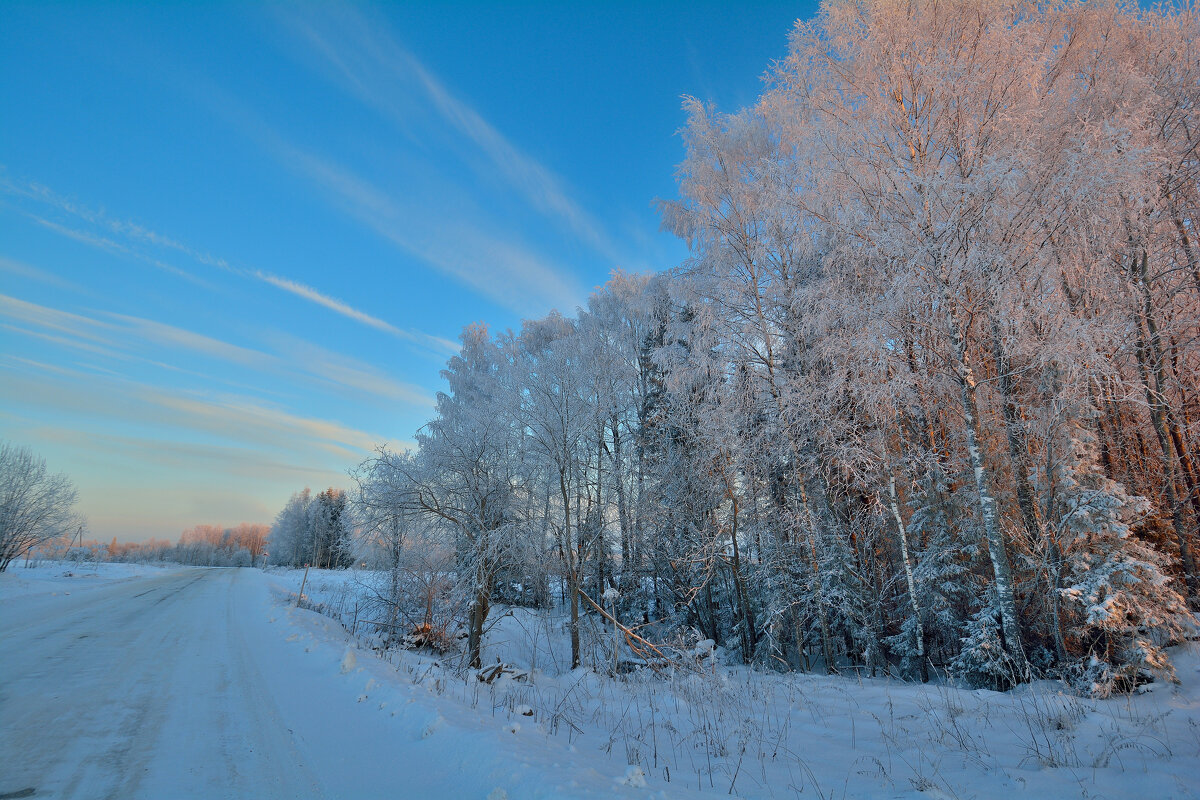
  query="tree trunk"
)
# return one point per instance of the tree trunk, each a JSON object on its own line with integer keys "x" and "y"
{"x": 626, "y": 581}
{"x": 1010, "y": 632}
{"x": 572, "y": 568}
{"x": 1150, "y": 363}
{"x": 475, "y": 621}
{"x": 1017, "y": 451}
{"x": 1185, "y": 462}
{"x": 818, "y": 588}
{"x": 908, "y": 577}
{"x": 394, "y": 599}
{"x": 749, "y": 638}
{"x": 1157, "y": 419}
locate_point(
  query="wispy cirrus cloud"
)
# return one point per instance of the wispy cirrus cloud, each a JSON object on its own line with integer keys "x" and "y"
{"x": 124, "y": 337}
{"x": 244, "y": 462}
{"x": 176, "y": 413}
{"x": 135, "y": 234}
{"x": 116, "y": 248}
{"x": 498, "y": 267}
{"x": 30, "y": 272}
{"x": 135, "y": 330}
{"x": 77, "y": 325}
{"x": 370, "y": 63}
{"x": 131, "y": 231}
{"x": 346, "y": 310}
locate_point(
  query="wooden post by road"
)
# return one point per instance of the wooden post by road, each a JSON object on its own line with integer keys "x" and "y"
{"x": 303, "y": 581}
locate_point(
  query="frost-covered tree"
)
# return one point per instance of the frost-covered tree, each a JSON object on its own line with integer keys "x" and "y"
{"x": 1120, "y": 606}
{"x": 36, "y": 506}
{"x": 414, "y": 558}
{"x": 466, "y": 473}
{"x": 558, "y": 417}
{"x": 290, "y": 542}
{"x": 331, "y": 529}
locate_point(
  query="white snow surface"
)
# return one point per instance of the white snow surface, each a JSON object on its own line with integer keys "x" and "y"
{"x": 126, "y": 681}
{"x": 202, "y": 683}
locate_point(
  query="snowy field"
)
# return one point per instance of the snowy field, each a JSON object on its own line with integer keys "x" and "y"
{"x": 151, "y": 682}
{"x": 19, "y": 583}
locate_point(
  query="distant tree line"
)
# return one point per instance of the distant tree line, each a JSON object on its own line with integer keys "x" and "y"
{"x": 203, "y": 545}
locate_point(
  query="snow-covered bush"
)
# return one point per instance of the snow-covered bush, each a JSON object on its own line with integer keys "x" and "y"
{"x": 984, "y": 661}
{"x": 1121, "y": 607}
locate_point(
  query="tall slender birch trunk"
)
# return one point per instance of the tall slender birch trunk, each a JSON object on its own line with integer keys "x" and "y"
{"x": 902, "y": 529}
{"x": 1010, "y": 631}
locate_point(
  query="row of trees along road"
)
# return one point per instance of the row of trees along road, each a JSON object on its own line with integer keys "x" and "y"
{"x": 925, "y": 395}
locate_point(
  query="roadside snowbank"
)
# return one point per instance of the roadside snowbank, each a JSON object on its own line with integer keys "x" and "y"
{"x": 447, "y": 737}
{"x": 734, "y": 731}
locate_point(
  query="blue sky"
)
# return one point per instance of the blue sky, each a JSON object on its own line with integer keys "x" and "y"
{"x": 238, "y": 242}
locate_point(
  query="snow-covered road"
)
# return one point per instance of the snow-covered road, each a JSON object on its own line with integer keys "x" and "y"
{"x": 198, "y": 683}
{"x": 144, "y": 688}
